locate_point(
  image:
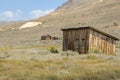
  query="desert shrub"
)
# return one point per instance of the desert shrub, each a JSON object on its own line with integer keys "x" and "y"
{"x": 91, "y": 56}
{"x": 68, "y": 53}
{"x": 115, "y": 24}
{"x": 54, "y": 50}
{"x": 95, "y": 51}
{"x": 2, "y": 57}
{"x": 5, "y": 53}
{"x": 43, "y": 52}
{"x": 1, "y": 66}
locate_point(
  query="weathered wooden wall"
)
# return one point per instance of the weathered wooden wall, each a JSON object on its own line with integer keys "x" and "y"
{"x": 46, "y": 37}
{"x": 101, "y": 43}
{"x": 71, "y": 36}
{"x": 94, "y": 41}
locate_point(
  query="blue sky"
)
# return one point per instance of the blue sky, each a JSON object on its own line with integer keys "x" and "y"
{"x": 26, "y": 9}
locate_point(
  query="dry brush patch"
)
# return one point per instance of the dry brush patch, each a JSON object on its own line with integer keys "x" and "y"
{"x": 68, "y": 68}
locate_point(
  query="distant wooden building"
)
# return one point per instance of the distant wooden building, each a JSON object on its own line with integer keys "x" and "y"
{"x": 55, "y": 38}
{"x": 88, "y": 39}
{"x": 46, "y": 37}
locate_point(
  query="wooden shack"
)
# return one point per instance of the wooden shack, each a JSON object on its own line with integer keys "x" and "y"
{"x": 46, "y": 37}
{"x": 88, "y": 39}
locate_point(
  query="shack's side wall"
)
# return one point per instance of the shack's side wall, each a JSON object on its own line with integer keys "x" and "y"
{"x": 101, "y": 43}
{"x": 70, "y": 37}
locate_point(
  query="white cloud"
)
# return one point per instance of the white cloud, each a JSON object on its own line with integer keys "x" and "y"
{"x": 8, "y": 14}
{"x": 39, "y": 13}
{"x": 11, "y": 15}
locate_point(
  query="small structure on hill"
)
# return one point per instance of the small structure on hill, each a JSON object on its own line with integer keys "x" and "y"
{"x": 46, "y": 37}
{"x": 88, "y": 39}
{"x": 55, "y": 38}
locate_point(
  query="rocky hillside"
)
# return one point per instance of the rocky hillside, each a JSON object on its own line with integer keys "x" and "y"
{"x": 91, "y": 12}
{"x": 102, "y": 14}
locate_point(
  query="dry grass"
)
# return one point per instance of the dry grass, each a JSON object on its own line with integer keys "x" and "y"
{"x": 82, "y": 67}
{"x": 37, "y": 63}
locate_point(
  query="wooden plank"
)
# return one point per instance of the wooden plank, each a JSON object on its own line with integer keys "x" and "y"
{"x": 93, "y": 39}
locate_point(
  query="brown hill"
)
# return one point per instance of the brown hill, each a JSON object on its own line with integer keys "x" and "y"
{"x": 103, "y": 14}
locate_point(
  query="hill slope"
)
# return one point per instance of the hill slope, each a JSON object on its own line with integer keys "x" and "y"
{"x": 103, "y": 14}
